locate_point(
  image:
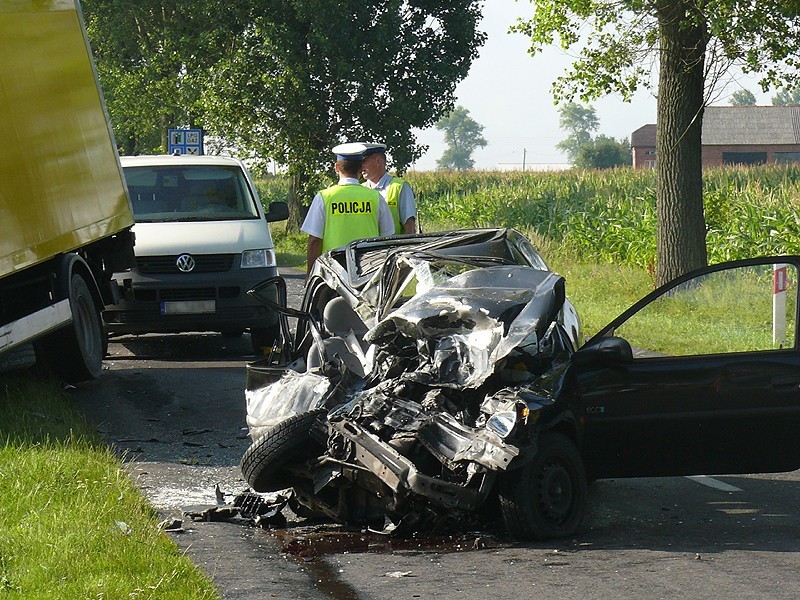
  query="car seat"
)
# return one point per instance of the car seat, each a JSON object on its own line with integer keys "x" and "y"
{"x": 344, "y": 331}
{"x": 339, "y": 318}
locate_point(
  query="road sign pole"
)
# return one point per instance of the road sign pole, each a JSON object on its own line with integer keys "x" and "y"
{"x": 780, "y": 283}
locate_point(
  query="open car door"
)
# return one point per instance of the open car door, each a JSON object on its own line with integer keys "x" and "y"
{"x": 702, "y": 376}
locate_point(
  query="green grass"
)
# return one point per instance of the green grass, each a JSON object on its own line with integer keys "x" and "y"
{"x": 290, "y": 248}
{"x": 600, "y": 291}
{"x": 723, "y": 312}
{"x": 609, "y": 216}
{"x": 72, "y": 524}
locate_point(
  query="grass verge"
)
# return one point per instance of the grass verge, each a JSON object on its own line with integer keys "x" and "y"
{"x": 600, "y": 291}
{"x": 72, "y": 524}
{"x": 290, "y": 248}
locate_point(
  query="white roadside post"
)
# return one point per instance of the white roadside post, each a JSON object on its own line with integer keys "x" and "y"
{"x": 780, "y": 283}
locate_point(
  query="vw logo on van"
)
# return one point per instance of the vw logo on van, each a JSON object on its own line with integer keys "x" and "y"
{"x": 185, "y": 263}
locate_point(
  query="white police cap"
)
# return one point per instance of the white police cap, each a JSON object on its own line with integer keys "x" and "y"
{"x": 370, "y": 148}
{"x": 350, "y": 151}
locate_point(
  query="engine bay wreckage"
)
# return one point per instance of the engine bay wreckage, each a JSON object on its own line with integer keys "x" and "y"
{"x": 420, "y": 386}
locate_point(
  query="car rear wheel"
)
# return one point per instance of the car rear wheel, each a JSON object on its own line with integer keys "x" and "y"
{"x": 547, "y": 497}
{"x": 289, "y": 442}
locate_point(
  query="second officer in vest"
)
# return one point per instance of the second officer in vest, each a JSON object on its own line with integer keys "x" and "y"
{"x": 346, "y": 211}
{"x": 397, "y": 193}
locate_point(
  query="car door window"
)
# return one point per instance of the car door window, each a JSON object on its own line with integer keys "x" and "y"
{"x": 741, "y": 309}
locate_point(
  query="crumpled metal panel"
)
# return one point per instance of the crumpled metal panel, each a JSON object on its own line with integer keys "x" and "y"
{"x": 399, "y": 473}
{"x": 444, "y": 316}
{"x": 447, "y": 438}
{"x": 292, "y": 394}
{"x": 463, "y": 326}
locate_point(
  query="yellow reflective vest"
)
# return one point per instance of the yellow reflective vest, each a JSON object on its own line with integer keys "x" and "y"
{"x": 351, "y": 213}
{"x": 393, "y": 199}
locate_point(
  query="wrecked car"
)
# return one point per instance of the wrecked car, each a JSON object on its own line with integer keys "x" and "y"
{"x": 437, "y": 378}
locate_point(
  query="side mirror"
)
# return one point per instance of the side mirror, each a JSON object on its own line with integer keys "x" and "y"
{"x": 607, "y": 351}
{"x": 278, "y": 211}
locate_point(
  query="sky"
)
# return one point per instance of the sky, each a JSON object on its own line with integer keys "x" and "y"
{"x": 508, "y": 92}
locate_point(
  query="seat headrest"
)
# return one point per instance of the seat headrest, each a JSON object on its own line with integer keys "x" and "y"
{"x": 338, "y": 316}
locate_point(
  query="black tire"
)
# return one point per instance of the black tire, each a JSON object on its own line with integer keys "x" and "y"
{"x": 262, "y": 338}
{"x": 547, "y": 497}
{"x": 286, "y": 443}
{"x": 75, "y": 353}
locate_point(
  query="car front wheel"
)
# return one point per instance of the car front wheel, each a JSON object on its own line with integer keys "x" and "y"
{"x": 287, "y": 443}
{"x": 547, "y": 497}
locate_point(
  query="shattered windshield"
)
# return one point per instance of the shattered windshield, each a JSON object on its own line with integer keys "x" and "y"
{"x": 415, "y": 275}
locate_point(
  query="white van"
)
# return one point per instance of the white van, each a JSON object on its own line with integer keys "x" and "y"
{"x": 202, "y": 241}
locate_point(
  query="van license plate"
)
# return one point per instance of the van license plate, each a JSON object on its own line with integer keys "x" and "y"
{"x": 188, "y": 307}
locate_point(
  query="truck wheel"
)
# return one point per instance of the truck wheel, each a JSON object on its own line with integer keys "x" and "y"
{"x": 75, "y": 353}
{"x": 286, "y": 443}
{"x": 547, "y": 497}
{"x": 264, "y": 337}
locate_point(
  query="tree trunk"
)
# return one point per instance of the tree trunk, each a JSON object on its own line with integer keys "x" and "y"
{"x": 296, "y": 192}
{"x": 681, "y": 223}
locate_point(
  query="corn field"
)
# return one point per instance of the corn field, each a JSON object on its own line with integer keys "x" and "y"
{"x": 610, "y": 216}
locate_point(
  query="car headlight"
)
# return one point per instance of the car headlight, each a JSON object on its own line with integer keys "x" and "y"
{"x": 502, "y": 423}
{"x": 263, "y": 257}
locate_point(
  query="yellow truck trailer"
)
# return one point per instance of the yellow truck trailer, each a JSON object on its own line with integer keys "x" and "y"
{"x": 64, "y": 210}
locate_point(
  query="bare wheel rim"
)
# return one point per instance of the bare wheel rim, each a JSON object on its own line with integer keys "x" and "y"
{"x": 84, "y": 326}
{"x": 555, "y": 491}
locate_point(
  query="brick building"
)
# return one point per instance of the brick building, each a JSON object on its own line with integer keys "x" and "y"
{"x": 735, "y": 135}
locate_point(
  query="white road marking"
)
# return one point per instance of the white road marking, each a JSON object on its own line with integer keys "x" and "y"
{"x": 714, "y": 483}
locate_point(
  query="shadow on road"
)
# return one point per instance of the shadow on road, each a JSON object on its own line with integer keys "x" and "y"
{"x": 677, "y": 514}
{"x": 181, "y": 347}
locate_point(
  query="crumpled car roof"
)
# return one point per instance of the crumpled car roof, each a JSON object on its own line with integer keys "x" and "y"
{"x": 372, "y": 274}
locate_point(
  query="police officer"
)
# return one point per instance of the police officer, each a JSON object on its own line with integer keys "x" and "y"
{"x": 346, "y": 211}
{"x": 397, "y": 193}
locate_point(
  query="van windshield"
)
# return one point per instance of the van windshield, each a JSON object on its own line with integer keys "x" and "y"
{"x": 189, "y": 193}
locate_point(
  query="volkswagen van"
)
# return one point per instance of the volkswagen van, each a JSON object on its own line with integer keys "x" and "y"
{"x": 202, "y": 242}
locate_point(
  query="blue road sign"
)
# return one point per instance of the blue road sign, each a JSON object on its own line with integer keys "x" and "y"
{"x": 185, "y": 141}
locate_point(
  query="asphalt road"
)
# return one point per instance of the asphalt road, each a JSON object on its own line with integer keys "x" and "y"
{"x": 174, "y": 407}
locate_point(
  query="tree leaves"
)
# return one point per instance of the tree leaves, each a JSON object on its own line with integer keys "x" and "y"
{"x": 694, "y": 42}
{"x": 283, "y": 80}
{"x": 463, "y": 135}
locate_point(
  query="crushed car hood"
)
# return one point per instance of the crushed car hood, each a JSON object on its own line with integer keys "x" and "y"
{"x": 461, "y": 328}
{"x": 421, "y": 371}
